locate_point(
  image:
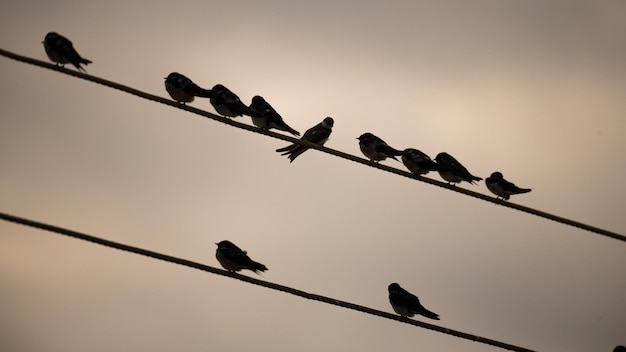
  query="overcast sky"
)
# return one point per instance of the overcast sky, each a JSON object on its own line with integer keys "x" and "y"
{"x": 533, "y": 89}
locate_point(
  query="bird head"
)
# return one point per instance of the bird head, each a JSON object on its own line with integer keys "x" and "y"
{"x": 365, "y": 136}
{"x": 394, "y": 287}
{"x": 497, "y": 174}
{"x": 224, "y": 243}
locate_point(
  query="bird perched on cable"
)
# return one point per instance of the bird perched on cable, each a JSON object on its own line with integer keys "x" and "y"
{"x": 61, "y": 51}
{"x": 417, "y": 162}
{"x": 228, "y": 104}
{"x": 503, "y": 188}
{"x": 183, "y": 90}
{"x": 232, "y": 258}
{"x": 407, "y": 304}
{"x": 268, "y": 117}
{"x": 376, "y": 149}
{"x": 317, "y": 134}
{"x": 452, "y": 171}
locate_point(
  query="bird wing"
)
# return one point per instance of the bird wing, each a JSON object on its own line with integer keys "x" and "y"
{"x": 316, "y": 134}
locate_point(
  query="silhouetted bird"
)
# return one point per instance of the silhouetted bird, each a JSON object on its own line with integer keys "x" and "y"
{"x": 452, "y": 171}
{"x": 317, "y": 134}
{"x": 183, "y": 90}
{"x": 232, "y": 258}
{"x": 61, "y": 51}
{"x": 268, "y": 117}
{"x": 407, "y": 304}
{"x": 619, "y": 348}
{"x": 503, "y": 188}
{"x": 417, "y": 162}
{"x": 376, "y": 149}
{"x": 228, "y": 104}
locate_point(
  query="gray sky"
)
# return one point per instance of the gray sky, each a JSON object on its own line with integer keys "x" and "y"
{"x": 535, "y": 90}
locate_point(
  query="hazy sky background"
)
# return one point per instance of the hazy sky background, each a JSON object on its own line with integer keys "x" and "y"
{"x": 534, "y": 89}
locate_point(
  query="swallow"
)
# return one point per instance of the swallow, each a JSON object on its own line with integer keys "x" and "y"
{"x": 376, "y": 149}
{"x": 619, "y": 348}
{"x": 61, "y": 51}
{"x": 452, "y": 171}
{"x": 417, "y": 162}
{"x": 232, "y": 258}
{"x": 407, "y": 304}
{"x": 183, "y": 90}
{"x": 268, "y": 117}
{"x": 317, "y": 134}
{"x": 228, "y": 104}
{"x": 503, "y": 188}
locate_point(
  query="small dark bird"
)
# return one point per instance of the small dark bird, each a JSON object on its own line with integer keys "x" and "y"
{"x": 503, "y": 188}
{"x": 407, "y": 304}
{"x": 268, "y": 117}
{"x": 183, "y": 90}
{"x": 376, "y": 149}
{"x": 452, "y": 171}
{"x": 228, "y": 104}
{"x": 619, "y": 348}
{"x": 317, "y": 134}
{"x": 417, "y": 162}
{"x": 61, "y": 51}
{"x": 232, "y": 258}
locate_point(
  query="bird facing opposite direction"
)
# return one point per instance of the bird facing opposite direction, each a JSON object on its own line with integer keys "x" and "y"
{"x": 61, "y": 51}
{"x": 453, "y": 171}
{"x": 268, "y": 117}
{"x": 503, "y": 188}
{"x": 228, "y": 104}
{"x": 317, "y": 134}
{"x": 376, "y": 149}
{"x": 183, "y": 90}
{"x": 407, "y": 304}
{"x": 417, "y": 162}
{"x": 232, "y": 258}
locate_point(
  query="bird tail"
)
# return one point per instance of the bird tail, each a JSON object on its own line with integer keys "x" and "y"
{"x": 85, "y": 61}
{"x": 428, "y": 314}
{"x": 203, "y": 93}
{"x": 256, "y": 267}
{"x": 433, "y": 166}
{"x": 390, "y": 151}
{"x": 291, "y": 130}
{"x": 295, "y": 153}
{"x": 251, "y": 112}
{"x": 476, "y": 178}
{"x": 286, "y": 149}
{"x": 523, "y": 190}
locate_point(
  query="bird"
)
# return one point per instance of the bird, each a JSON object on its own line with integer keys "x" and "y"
{"x": 376, "y": 149}
{"x": 61, "y": 51}
{"x": 417, "y": 162}
{"x": 228, "y": 104}
{"x": 268, "y": 118}
{"x": 503, "y": 188}
{"x": 317, "y": 134}
{"x": 407, "y": 304}
{"x": 232, "y": 258}
{"x": 183, "y": 90}
{"x": 452, "y": 171}
{"x": 619, "y": 348}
